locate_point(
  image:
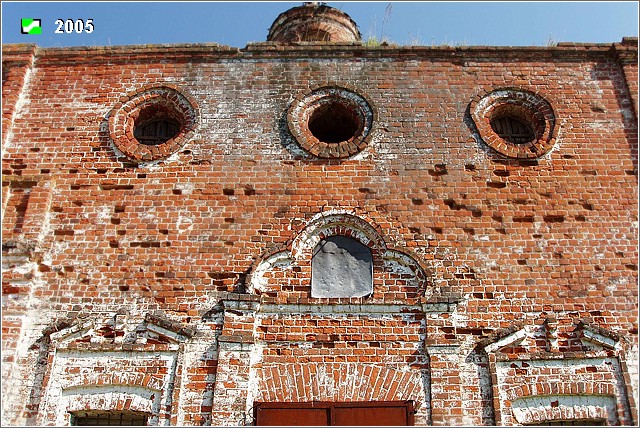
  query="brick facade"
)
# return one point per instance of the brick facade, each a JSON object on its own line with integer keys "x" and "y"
{"x": 178, "y": 283}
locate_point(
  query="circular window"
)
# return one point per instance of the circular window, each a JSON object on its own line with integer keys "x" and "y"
{"x": 334, "y": 122}
{"x": 515, "y": 123}
{"x": 331, "y": 122}
{"x": 152, "y": 123}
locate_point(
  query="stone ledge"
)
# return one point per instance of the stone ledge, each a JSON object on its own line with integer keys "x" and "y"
{"x": 208, "y": 51}
{"x": 237, "y": 338}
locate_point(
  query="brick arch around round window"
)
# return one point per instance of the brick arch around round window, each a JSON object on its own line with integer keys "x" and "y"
{"x": 511, "y": 107}
{"x": 164, "y": 105}
{"x": 331, "y": 121}
{"x": 392, "y": 267}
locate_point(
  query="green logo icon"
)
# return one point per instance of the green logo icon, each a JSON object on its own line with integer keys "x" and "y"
{"x": 31, "y": 26}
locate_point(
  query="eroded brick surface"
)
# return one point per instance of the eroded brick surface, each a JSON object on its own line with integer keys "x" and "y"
{"x": 181, "y": 286}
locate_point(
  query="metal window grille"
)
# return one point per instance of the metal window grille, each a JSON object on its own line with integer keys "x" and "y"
{"x": 156, "y": 132}
{"x": 90, "y": 418}
{"x": 513, "y": 130}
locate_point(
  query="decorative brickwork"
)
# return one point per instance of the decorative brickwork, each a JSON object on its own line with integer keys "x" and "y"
{"x": 140, "y": 107}
{"x": 531, "y": 110}
{"x": 539, "y": 409}
{"x": 331, "y": 122}
{"x": 336, "y": 382}
{"x": 174, "y": 278}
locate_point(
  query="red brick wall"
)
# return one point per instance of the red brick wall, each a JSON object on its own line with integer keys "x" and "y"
{"x": 501, "y": 240}
{"x": 16, "y": 63}
{"x": 626, "y": 56}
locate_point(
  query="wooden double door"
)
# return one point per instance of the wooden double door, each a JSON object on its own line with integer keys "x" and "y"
{"x": 376, "y": 413}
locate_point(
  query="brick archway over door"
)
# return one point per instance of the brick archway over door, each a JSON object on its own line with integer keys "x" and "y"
{"x": 337, "y": 383}
{"x": 375, "y": 413}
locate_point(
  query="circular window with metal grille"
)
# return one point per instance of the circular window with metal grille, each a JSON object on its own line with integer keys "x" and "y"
{"x": 156, "y": 131}
{"x": 513, "y": 130}
{"x": 152, "y": 123}
{"x": 331, "y": 122}
{"x": 515, "y": 122}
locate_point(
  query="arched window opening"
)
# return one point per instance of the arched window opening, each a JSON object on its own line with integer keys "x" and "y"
{"x": 341, "y": 267}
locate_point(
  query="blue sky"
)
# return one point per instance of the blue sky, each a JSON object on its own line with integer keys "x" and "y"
{"x": 406, "y": 23}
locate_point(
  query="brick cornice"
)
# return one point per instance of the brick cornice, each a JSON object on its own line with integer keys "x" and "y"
{"x": 212, "y": 51}
{"x": 18, "y": 54}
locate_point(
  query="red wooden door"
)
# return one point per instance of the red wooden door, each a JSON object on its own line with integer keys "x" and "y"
{"x": 293, "y": 416}
{"x": 370, "y": 416}
{"x": 381, "y": 413}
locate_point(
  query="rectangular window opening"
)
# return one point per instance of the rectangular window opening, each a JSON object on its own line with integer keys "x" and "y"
{"x": 99, "y": 418}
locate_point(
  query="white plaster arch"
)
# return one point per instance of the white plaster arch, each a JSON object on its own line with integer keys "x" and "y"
{"x": 342, "y": 223}
{"x": 336, "y": 222}
{"x": 540, "y": 408}
{"x": 109, "y": 398}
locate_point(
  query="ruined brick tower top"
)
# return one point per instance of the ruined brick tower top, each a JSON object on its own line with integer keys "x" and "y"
{"x": 313, "y": 22}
